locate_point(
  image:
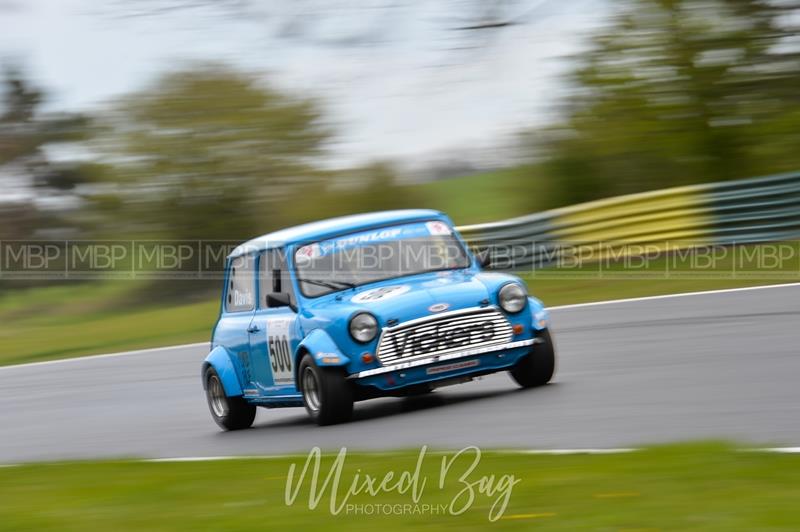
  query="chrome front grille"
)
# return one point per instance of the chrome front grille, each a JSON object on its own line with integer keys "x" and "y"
{"x": 444, "y": 333}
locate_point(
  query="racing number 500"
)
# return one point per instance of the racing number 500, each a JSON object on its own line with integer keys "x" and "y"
{"x": 279, "y": 355}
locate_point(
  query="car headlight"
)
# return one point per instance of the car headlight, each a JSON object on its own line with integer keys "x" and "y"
{"x": 512, "y": 297}
{"x": 363, "y": 327}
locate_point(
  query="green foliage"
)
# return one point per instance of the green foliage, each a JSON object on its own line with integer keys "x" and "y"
{"x": 24, "y": 133}
{"x": 490, "y": 196}
{"x": 371, "y": 188}
{"x": 678, "y": 92}
{"x": 208, "y": 153}
{"x": 212, "y": 153}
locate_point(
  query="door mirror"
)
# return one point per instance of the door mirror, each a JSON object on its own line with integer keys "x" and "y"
{"x": 279, "y": 299}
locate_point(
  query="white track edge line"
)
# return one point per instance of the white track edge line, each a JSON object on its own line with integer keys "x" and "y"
{"x": 670, "y": 296}
{"x": 558, "y": 307}
{"x": 546, "y": 452}
{"x": 551, "y": 452}
{"x": 543, "y": 452}
{"x": 369, "y": 453}
{"x": 104, "y": 355}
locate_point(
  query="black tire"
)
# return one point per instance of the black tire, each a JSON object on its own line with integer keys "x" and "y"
{"x": 536, "y": 369}
{"x": 327, "y": 395}
{"x": 230, "y": 413}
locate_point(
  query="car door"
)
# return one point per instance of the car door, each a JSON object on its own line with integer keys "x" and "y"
{"x": 273, "y": 336}
{"x": 238, "y": 310}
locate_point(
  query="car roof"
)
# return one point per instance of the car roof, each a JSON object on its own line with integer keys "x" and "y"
{"x": 331, "y": 227}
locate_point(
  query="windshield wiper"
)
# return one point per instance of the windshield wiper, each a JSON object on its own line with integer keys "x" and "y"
{"x": 333, "y": 285}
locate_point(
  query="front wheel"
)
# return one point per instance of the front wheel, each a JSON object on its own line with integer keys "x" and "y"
{"x": 327, "y": 396}
{"x": 230, "y": 413}
{"x": 538, "y": 366}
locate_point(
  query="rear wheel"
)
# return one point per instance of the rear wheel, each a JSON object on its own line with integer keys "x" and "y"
{"x": 327, "y": 395}
{"x": 230, "y": 413}
{"x": 538, "y": 366}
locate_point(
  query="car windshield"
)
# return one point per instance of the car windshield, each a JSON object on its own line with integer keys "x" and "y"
{"x": 378, "y": 254}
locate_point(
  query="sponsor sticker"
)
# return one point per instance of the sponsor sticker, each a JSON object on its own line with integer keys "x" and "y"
{"x": 367, "y": 238}
{"x": 438, "y": 228}
{"x": 452, "y": 367}
{"x": 380, "y": 294}
{"x": 279, "y": 350}
{"x": 311, "y": 251}
{"x": 448, "y": 337}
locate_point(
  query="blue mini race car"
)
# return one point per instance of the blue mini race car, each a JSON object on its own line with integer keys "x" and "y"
{"x": 383, "y": 304}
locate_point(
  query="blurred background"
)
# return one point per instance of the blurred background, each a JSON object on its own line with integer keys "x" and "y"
{"x": 569, "y": 137}
{"x": 222, "y": 120}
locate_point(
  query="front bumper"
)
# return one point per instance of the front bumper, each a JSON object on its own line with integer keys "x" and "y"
{"x": 430, "y": 369}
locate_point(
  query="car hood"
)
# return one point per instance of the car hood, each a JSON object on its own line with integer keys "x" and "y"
{"x": 415, "y": 296}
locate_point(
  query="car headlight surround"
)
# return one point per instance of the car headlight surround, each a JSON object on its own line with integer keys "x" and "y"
{"x": 363, "y": 327}
{"x": 512, "y": 297}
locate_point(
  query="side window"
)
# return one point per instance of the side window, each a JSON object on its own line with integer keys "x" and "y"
{"x": 274, "y": 275}
{"x": 241, "y": 285}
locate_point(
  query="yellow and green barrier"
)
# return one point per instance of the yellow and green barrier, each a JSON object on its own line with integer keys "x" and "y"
{"x": 732, "y": 212}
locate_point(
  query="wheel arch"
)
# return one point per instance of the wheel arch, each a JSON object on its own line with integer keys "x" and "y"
{"x": 540, "y": 318}
{"x": 323, "y": 350}
{"x": 220, "y": 359}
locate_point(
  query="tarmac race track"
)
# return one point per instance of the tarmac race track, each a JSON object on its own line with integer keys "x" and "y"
{"x": 721, "y": 365}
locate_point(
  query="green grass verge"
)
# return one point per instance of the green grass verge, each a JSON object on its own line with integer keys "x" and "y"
{"x": 489, "y": 196}
{"x": 676, "y": 487}
{"x": 76, "y": 320}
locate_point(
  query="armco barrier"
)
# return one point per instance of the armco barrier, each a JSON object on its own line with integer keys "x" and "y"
{"x": 743, "y": 211}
